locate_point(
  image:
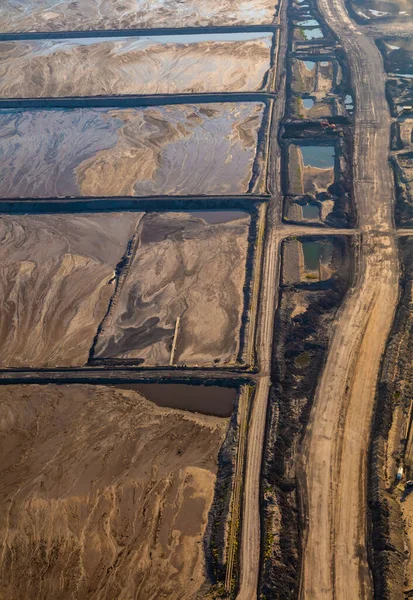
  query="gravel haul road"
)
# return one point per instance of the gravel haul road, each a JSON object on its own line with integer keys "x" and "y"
{"x": 333, "y": 469}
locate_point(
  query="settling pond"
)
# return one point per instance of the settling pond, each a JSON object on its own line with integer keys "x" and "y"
{"x": 316, "y": 252}
{"x": 206, "y": 399}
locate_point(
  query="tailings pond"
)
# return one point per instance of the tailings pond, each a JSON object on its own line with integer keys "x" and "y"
{"x": 206, "y": 399}
{"x": 135, "y": 65}
{"x": 160, "y": 150}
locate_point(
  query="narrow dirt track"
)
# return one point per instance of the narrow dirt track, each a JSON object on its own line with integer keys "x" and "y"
{"x": 333, "y": 469}
{"x": 251, "y": 526}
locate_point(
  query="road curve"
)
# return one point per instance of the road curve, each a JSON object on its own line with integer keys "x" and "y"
{"x": 333, "y": 467}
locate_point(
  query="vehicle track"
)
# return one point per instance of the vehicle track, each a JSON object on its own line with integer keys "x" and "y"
{"x": 251, "y": 520}
{"x": 333, "y": 468}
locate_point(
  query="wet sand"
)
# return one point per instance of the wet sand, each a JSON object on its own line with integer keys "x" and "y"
{"x": 104, "y": 495}
{"x": 138, "y": 65}
{"x": 30, "y": 15}
{"x": 180, "y": 149}
{"x": 183, "y": 268}
{"x": 54, "y": 284}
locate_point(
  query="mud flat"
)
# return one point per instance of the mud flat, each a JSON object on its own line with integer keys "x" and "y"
{"x": 318, "y": 90}
{"x": 303, "y": 323}
{"x": 397, "y": 53}
{"x": 139, "y": 65}
{"x": 179, "y": 149}
{"x": 181, "y": 301}
{"x": 29, "y": 15}
{"x": 56, "y": 282}
{"x": 371, "y": 11}
{"x": 104, "y": 494}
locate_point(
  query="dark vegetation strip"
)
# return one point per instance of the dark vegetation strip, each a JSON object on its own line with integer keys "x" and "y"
{"x": 132, "y": 100}
{"x": 139, "y": 32}
{"x": 294, "y": 385}
{"x": 215, "y": 538}
{"x": 395, "y": 387}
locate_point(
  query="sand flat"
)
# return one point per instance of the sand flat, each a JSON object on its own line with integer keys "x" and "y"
{"x": 104, "y": 495}
{"x": 55, "y": 284}
{"x": 183, "y": 268}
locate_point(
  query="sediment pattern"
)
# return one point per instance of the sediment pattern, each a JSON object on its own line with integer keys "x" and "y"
{"x": 54, "y": 284}
{"x": 116, "y": 66}
{"x": 29, "y": 15}
{"x": 186, "y": 149}
{"x": 186, "y": 268}
{"x": 104, "y": 495}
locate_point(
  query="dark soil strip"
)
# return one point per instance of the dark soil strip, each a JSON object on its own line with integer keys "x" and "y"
{"x": 294, "y": 385}
{"x": 128, "y": 203}
{"x": 386, "y": 543}
{"x": 132, "y": 100}
{"x": 142, "y": 32}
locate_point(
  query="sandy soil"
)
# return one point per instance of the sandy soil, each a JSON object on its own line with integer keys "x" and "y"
{"x": 103, "y": 496}
{"x": 186, "y": 268}
{"x": 54, "y": 284}
{"x": 162, "y": 65}
{"x": 184, "y": 149}
{"x": 29, "y": 15}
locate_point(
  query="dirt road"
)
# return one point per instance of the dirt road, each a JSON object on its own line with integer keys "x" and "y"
{"x": 332, "y": 473}
{"x": 250, "y": 538}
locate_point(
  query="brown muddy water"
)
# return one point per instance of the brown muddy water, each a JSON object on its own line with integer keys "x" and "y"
{"x": 206, "y": 399}
{"x": 214, "y": 217}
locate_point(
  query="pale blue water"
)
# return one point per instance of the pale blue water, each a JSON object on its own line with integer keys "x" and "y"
{"x": 321, "y": 157}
